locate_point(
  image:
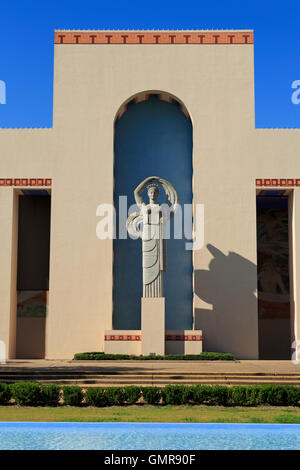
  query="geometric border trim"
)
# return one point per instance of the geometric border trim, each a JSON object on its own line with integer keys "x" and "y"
{"x": 25, "y": 181}
{"x": 272, "y": 182}
{"x": 139, "y": 337}
{"x": 122, "y": 338}
{"x": 155, "y": 37}
{"x": 183, "y": 338}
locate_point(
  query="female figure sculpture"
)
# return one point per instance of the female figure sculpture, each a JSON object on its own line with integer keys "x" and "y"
{"x": 153, "y": 218}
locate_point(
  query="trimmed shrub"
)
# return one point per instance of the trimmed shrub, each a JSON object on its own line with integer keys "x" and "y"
{"x": 201, "y": 394}
{"x": 237, "y": 396}
{"x": 5, "y": 393}
{"x": 220, "y": 395}
{"x": 27, "y": 393}
{"x": 204, "y": 356}
{"x": 110, "y": 396}
{"x": 88, "y": 356}
{"x": 278, "y": 395}
{"x": 132, "y": 394}
{"x": 96, "y": 396}
{"x": 100, "y": 356}
{"x": 244, "y": 396}
{"x": 73, "y": 395}
{"x": 176, "y": 394}
{"x": 252, "y": 395}
{"x": 214, "y": 356}
{"x": 32, "y": 394}
{"x": 151, "y": 357}
{"x": 115, "y": 396}
{"x": 50, "y": 395}
{"x": 151, "y": 395}
{"x": 293, "y": 395}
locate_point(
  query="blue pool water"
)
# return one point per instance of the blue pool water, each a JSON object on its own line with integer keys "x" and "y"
{"x": 149, "y": 436}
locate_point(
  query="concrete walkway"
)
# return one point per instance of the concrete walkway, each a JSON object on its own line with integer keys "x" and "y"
{"x": 160, "y": 373}
{"x": 240, "y": 367}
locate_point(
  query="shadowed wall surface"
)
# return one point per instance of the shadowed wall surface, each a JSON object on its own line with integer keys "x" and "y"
{"x": 274, "y": 326}
{"x": 152, "y": 138}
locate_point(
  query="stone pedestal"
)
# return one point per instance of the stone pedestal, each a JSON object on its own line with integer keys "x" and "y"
{"x": 123, "y": 342}
{"x": 153, "y": 325}
{"x": 2, "y": 352}
{"x": 184, "y": 342}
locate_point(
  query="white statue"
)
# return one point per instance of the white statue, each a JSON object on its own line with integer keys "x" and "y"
{"x": 2, "y": 352}
{"x": 153, "y": 218}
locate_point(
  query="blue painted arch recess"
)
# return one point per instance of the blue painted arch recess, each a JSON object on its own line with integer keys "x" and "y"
{"x": 152, "y": 137}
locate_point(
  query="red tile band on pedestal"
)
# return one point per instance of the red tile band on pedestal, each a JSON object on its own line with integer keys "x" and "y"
{"x": 183, "y": 338}
{"x": 138, "y": 338}
{"x": 276, "y": 182}
{"x": 122, "y": 337}
{"x": 25, "y": 181}
{"x": 155, "y": 37}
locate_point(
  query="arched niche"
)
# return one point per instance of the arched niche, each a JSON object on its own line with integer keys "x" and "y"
{"x": 152, "y": 136}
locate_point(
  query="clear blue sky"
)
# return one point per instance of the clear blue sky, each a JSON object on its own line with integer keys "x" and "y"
{"x": 27, "y": 36}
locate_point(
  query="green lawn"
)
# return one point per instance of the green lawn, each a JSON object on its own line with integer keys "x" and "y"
{"x": 148, "y": 413}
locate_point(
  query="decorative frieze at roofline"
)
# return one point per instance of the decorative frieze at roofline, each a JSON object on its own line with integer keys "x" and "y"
{"x": 153, "y": 37}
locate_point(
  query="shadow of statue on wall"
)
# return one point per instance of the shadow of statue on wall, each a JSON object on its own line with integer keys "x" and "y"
{"x": 229, "y": 286}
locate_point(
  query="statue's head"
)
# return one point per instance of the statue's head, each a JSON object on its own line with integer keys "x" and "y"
{"x": 153, "y": 192}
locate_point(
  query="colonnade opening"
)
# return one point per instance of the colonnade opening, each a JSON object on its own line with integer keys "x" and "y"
{"x": 273, "y": 260}
{"x": 32, "y": 272}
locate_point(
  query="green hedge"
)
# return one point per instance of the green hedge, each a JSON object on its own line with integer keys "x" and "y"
{"x": 112, "y": 396}
{"x": 152, "y": 395}
{"x": 27, "y": 393}
{"x": 132, "y": 394}
{"x": 176, "y": 394}
{"x": 50, "y": 395}
{"x": 205, "y": 356}
{"x": 33, "y": 394}
{"x": 96, "y": 396}
{"x": 5, "y": 394}
{"x": 73, "y": 395}
{"x": 275, "y": 395}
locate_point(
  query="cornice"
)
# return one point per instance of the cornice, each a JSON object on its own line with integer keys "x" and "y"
{"x": 153, "y": 37}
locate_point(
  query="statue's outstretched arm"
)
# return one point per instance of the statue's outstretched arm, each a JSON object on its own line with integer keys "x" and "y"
{"x": 171, "y": 193}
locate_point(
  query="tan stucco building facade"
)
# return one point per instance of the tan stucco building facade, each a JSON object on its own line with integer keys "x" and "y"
{"x": 95, "y": 72}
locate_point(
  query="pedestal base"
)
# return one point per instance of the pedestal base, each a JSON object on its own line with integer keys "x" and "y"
{"x": 123, "y": 342}
{"x": 183, "y": 342}
{"x": 153, "y": 326}
{"x": 129, "y": 342}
